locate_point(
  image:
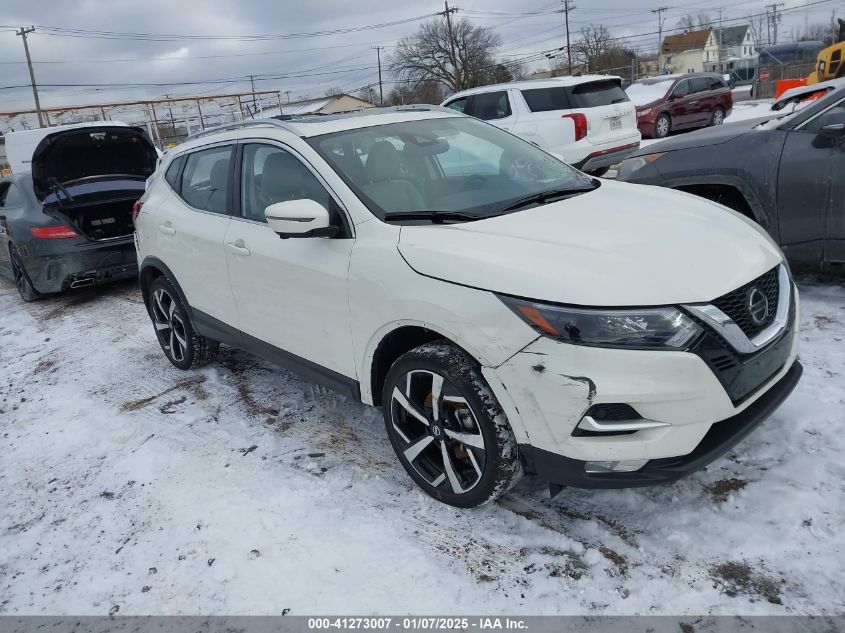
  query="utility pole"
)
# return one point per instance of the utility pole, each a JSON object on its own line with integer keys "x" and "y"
{"x": 287, "y": 94}
{"x": 457, "y": 73}
{"x": 719, "y": 54}
{"x": 23, "y": 32}
{"x": 659, "y": 11}
{"x": 380, "y": 87}
{"x": 567, "y": 7}
{"x": 772, "y": 21}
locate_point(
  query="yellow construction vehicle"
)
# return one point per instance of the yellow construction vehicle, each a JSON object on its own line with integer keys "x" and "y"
{"x": 830, "y": 64}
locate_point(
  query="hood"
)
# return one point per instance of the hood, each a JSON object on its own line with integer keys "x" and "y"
{"x": 621, "y": 245}
{"x": 91, "y": 153}
{"x": 705, "y": 137}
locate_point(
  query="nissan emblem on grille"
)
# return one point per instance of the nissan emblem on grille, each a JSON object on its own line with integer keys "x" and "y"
{"x": 757, "y": 305}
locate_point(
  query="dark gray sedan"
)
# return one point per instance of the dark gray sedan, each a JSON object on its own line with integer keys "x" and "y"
{"x": 68, "y": 223}
{"x": 786, "y": 172}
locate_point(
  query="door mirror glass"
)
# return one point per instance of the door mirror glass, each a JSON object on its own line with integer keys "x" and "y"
{"x": 299, "y": 218}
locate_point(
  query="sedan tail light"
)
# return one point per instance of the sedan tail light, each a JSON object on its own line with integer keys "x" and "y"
{"x": 136, "y": 210}
{"x": 53, "y": 232}
{"x": 580, "y": 122}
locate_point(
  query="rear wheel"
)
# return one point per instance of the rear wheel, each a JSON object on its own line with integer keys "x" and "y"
{"x": 447, "y": 427}
{"x": 718, "y": 116}
{"x": 181, "y": 344}
{"x": 662, "y": 126}
{"x": 22, "y": 281}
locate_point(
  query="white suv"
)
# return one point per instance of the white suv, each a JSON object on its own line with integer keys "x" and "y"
{"x": 506, "y": 311}
{"x": 588, "y": 120}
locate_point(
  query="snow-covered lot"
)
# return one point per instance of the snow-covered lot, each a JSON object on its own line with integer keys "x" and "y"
{"x": 126, "y": 485}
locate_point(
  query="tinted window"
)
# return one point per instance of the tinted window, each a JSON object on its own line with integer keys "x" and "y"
{"x": 546, "y": 99}
{"x": 13, "y": 197}
{"x": 700, "y": 84}
{"x": 716, "y": 83}
{"x": 458, "y": 104}
{"x": 172, "y": 173}
{"x": 682, "y": 89}
{"x": 489, "y": 106}
{"x": 205, "y": 181}
{"x": 271, "y": 175}
{"x": 597, "y": 93}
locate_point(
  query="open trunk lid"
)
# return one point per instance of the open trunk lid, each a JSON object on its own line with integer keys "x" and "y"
{"x": 90, "y": 154}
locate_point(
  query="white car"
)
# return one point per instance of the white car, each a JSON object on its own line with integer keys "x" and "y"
{"x": 589, "y": 120}
{"x": 506, "y": 311}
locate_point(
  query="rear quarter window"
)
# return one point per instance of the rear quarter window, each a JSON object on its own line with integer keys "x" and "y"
{"x": 172, "y": 173}
{"x": 546, "y": 99}
{"x": 716, "y": 83}
{"x": 489, "y": 106}
{"x": 597, "y": 93}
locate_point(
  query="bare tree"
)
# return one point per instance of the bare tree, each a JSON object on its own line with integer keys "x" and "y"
{"x": 428, "y": 54}
{"x": 758, "y": 30}
{"x": 334, "y": 91}
{"x": 691, "y": 22}
{"x": 428, "y": 91}
{"x": 599, "y": 51}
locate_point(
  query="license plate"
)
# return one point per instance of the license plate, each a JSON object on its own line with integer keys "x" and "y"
{"x": 615, "y": 122}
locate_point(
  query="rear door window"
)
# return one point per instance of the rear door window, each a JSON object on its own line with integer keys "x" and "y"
{"x": 596, "y": 94}
{"x": 205, "y": 181}
{"x": 489, "y": 106}
{"x": 700, "y": 84}
{"x": 546, "y": 99}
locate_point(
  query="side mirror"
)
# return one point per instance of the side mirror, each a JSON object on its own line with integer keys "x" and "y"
{"x": 832, "y": 124}
{"x": 299, "y": 218}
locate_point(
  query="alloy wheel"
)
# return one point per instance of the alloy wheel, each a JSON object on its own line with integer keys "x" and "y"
{"x": 169, "y": 324}
{"x": 662, "y": 126}
{"x": 440, "y": 435}
{"x": 718, "y": 117}
{"x": 17, "y": 272}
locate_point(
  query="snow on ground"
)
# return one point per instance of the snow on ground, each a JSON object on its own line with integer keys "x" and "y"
{"x": 128, "y": 486}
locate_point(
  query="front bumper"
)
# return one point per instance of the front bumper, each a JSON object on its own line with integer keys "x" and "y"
{"x": 721, "y": 437}
{"x": 547, "y": 388}
{"x": 78, "y": 265}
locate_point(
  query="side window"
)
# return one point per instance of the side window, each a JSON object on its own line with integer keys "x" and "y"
{"x": 4, "y": 189}
{"x": 13, "y": 198}
{"x": 815, "y": 125}
{"x": 270, "y": 175}
{"x": 458, "y": 104}
{"x": 700, "y": 84}
{"x": 681, "y": 90}
{"x": 172, "y": 173}
{"x": 546, "y": 99}
{"x": 716, "y": 83}
{"x": 205, "y": 181}
{"x": 835, "y": 60}
{"x": 489, "y": 106}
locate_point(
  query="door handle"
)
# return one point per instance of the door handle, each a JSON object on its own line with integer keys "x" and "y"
{"x": 238, "y": 247}
{"x": 167, "y": 229}
{"x": 693, "y": 102}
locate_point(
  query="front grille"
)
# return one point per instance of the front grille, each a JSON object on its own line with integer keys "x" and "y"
{"x": 736, "y": 304}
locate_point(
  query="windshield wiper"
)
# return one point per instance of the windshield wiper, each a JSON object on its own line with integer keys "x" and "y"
{"x": 544, "y": 197}
{"x": 436, "y": 217}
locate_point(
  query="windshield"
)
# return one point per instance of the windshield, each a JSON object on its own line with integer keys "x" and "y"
{"x": 642, "y": 93}
{"x": 443, "y": 165}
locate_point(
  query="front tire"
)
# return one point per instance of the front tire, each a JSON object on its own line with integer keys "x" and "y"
{"x": 175, "y": 333}
{"x": 447, "y": 428}
{"x": 662, "y": 126}
{"x": 22, "y": 281}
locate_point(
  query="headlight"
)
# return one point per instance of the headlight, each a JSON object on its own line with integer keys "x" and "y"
{"x": 644, "y": 328}
{"x": 644, "y": 112}
{"x": 630, "y": 165}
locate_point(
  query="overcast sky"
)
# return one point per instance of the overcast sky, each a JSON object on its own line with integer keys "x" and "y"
{"x": 321, "y": 62}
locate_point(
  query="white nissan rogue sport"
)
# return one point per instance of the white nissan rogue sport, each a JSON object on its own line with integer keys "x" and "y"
{"x": 508, "y": 313}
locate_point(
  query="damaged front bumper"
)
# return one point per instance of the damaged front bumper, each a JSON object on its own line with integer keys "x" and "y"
{"x": 684, "y": 416}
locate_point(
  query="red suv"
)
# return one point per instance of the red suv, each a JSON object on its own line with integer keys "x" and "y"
{"x": 676, "y": 102}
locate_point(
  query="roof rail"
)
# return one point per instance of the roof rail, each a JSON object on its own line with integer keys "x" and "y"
{"x": 237, "y": 125}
